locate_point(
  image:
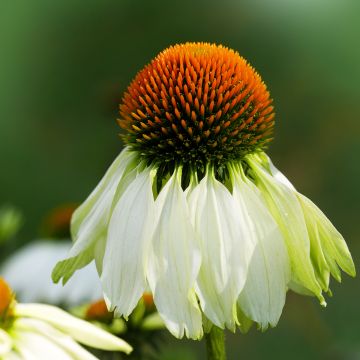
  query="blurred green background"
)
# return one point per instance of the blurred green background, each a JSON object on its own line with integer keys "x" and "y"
{"x": 64, "y": 66}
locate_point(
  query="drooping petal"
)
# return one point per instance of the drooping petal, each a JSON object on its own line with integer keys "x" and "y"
{"x": 90, "y": 208}
{"x": 332, "y": 243}
{"x": 62, "y": 340}
{"x": 90, "y": 220}
{"x": 78, "y": 329}
{"x": 328, "y": 247}
{"x": 65, "y": 268}
{"x": 174, "y": 262}
{"x": 129, "y": 233}
{"x": 321, "y": 267}
{"x": 264, "y": 293}
{"x": 225, "y": 247}
{"x": 286, "y": 209}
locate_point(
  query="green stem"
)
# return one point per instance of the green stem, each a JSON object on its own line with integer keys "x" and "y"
{"x": 215, "y": 344}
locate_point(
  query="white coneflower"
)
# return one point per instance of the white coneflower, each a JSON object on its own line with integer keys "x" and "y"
{"x": 193, "y": 209}
{"x": 28, "y": 271}
{"x": 42, "y": 332}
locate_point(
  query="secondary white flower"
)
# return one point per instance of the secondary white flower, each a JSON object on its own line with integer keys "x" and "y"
{"x": 28, "y": 271}
{"x": 193, "y": 209}
{"x": 37, "y": 331}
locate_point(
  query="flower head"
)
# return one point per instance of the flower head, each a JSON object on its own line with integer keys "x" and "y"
{"x": 196, "y": 103}
{"x": 193, "y": 209}
{"x": 39, "y": 331}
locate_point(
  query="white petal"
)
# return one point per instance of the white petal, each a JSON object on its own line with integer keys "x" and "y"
{"x": 32, "y": 346}
{"x": 331, "y": 242}
{"x": 78, "y": 329}
{"x": 328, "y": 247}
{"x": 55, "y": 336}
{"x": 286, "y": 209}
{"x": 89, "y": 211}
{"x": 5, "y": 343}
{"x": 321, "y": 268}
{"x": 90, "y": 220}
{"x": 226, "y": 250}
{"x": 174, "y": 262}
{"x": 264, "y": 294}
{"x": 123, "y": 276}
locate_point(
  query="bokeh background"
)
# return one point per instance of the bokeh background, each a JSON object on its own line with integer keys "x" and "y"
{"x": 64, "y": 66}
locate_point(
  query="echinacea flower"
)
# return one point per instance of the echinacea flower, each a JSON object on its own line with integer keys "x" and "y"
{"x": 42, "y": 332}
{"x": 28, "y": 271}
{"x": 193, "y": 208}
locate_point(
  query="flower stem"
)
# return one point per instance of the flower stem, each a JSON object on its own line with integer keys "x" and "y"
{"x": 215, "y": 344}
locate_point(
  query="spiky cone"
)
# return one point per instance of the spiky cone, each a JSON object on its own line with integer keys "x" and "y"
{"x": 193, "y": 208}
